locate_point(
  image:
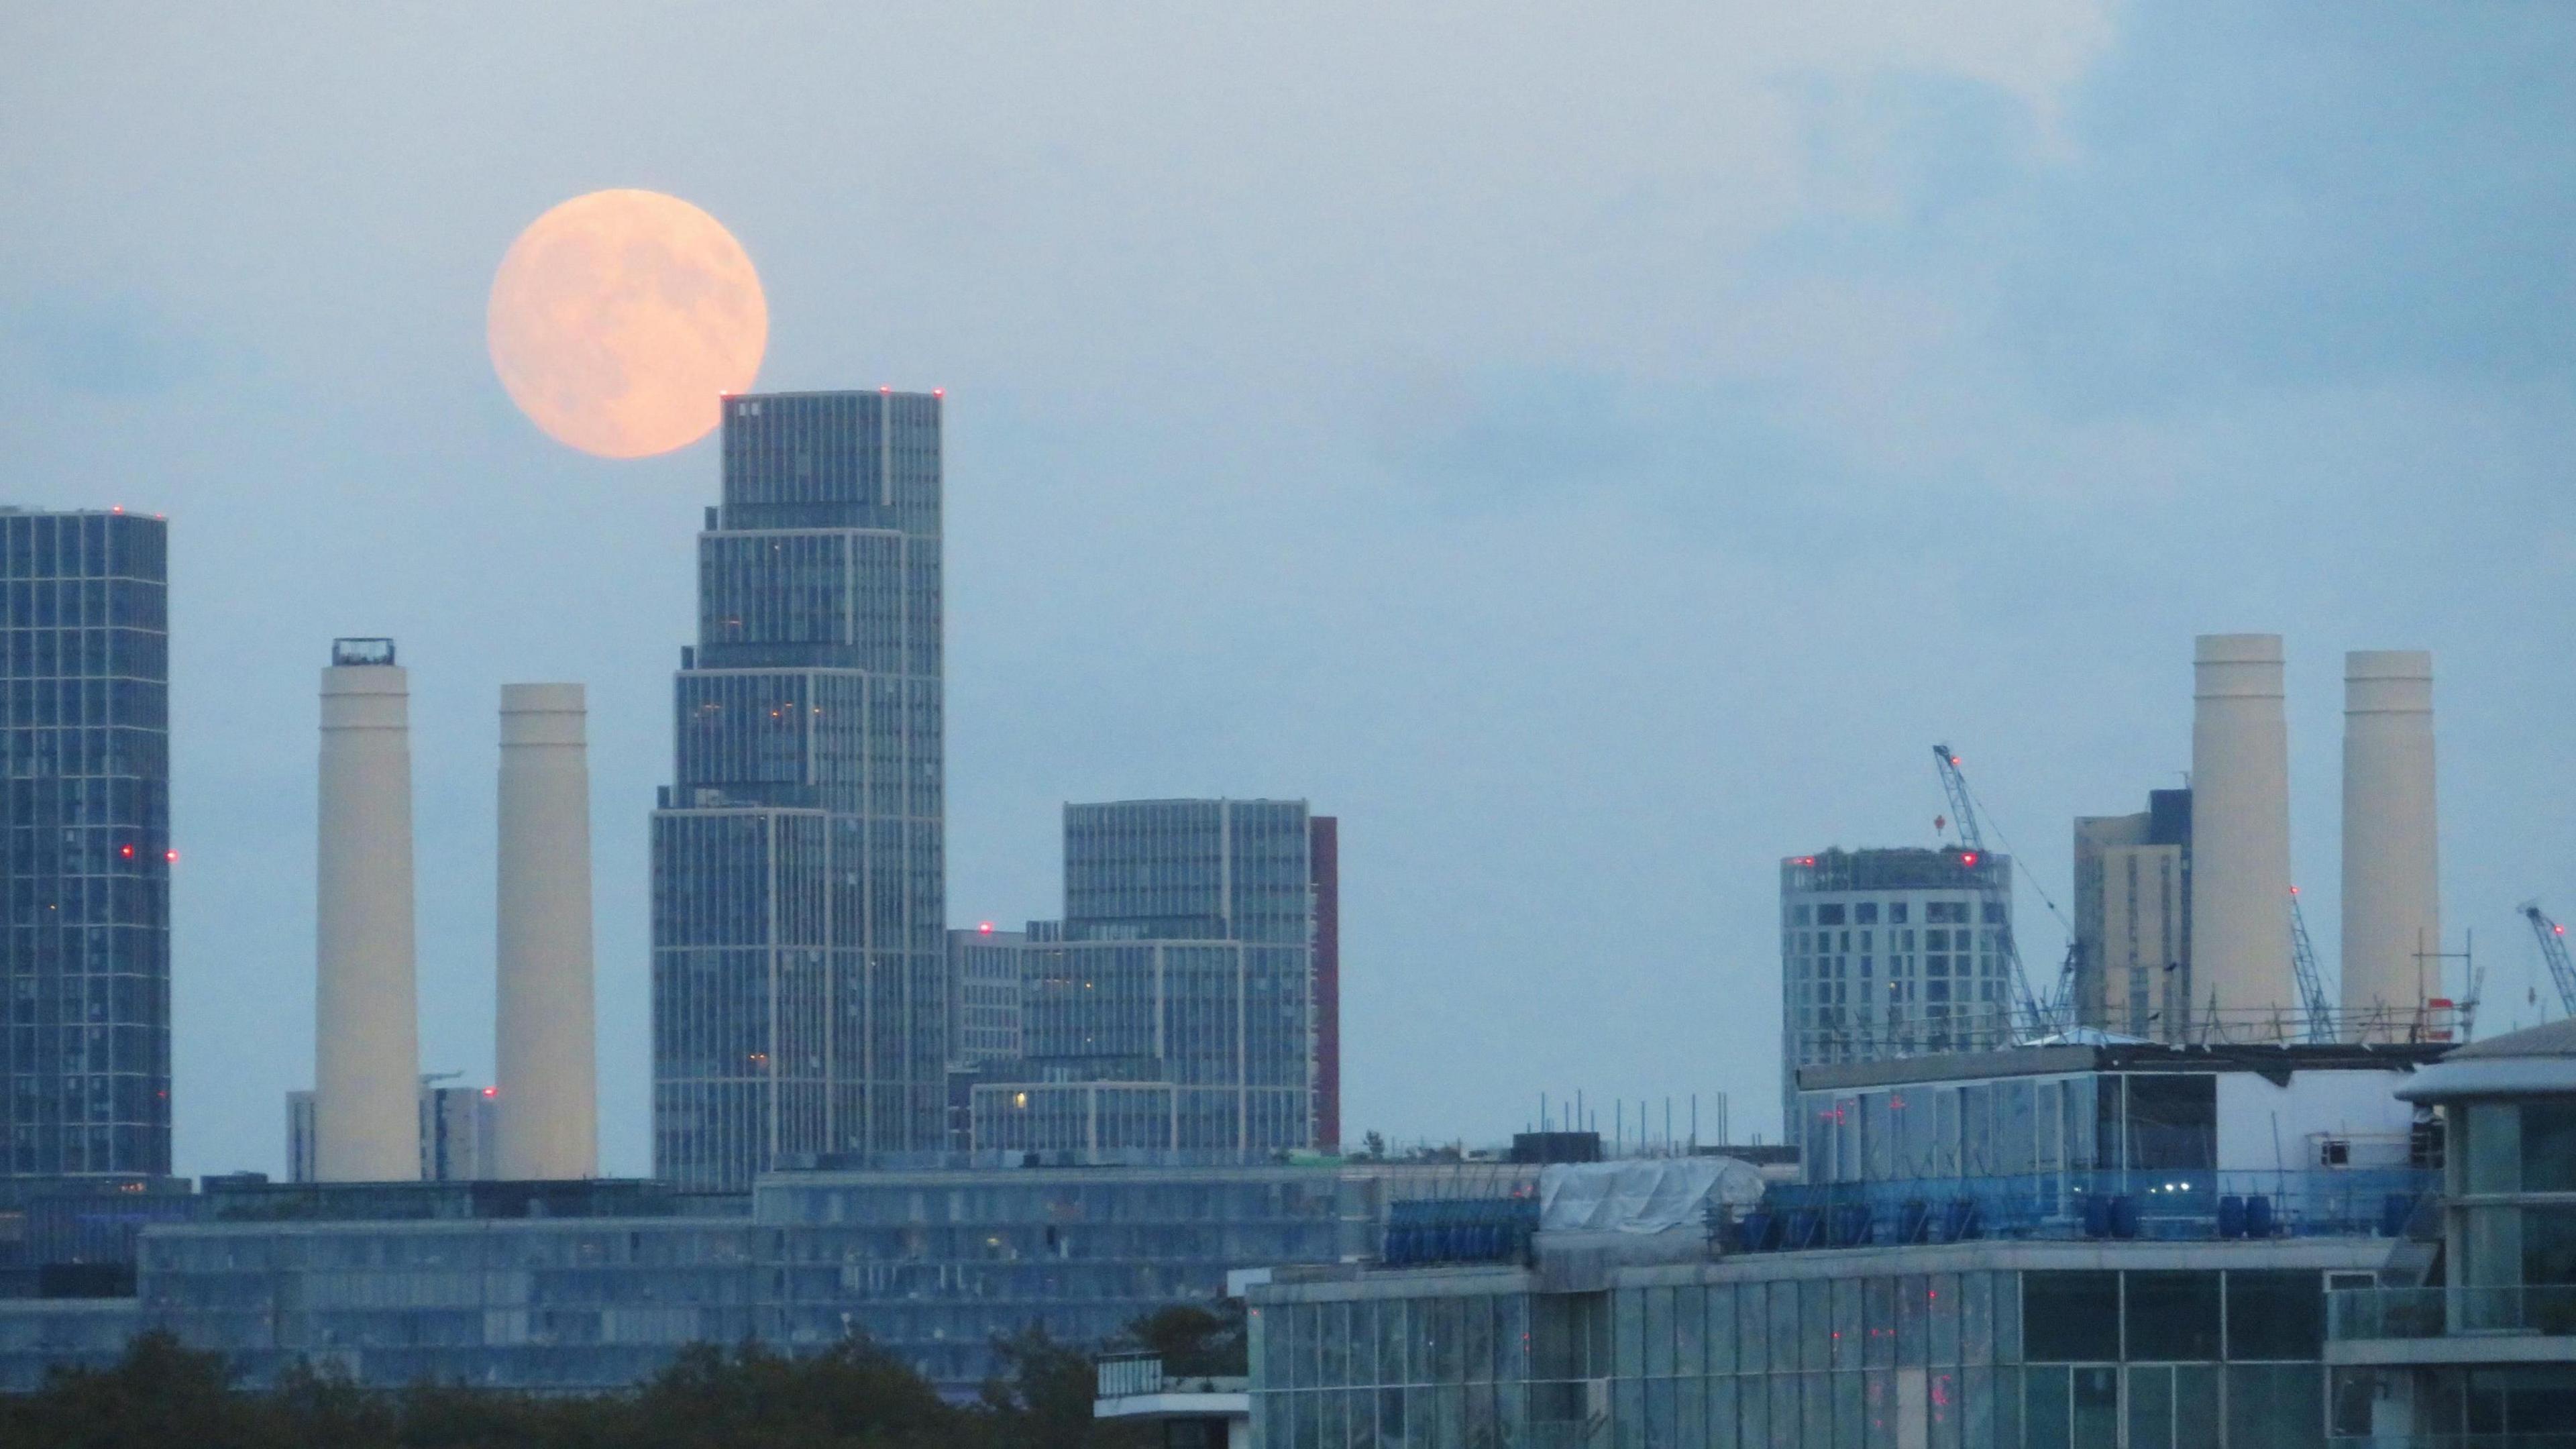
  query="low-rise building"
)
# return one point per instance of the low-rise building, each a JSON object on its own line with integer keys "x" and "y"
{"x": 586, "y": 1286}
{"x": 2072, "y": 1247}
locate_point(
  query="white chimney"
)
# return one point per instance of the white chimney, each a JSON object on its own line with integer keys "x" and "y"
{"x": 2240, "y": 843}
{"x": 366, "y": 1045}
{"x": 2391, "y": 894}
{"x": 548, "y": 1077}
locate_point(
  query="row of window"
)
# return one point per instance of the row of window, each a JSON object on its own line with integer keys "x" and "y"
{"x": 82, "y": 545}
{"x": 90, "y": 700}
{"x": 1809, "y": 943}
{"x": 1869, "y": 913}
{"x": 84, "y": 603}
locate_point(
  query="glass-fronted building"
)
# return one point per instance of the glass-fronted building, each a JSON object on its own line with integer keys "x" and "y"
{"x": 593, "y": 1286}
{"x": 1175, "y": 1007}
{"x": 2037, "y": 1346}
{"x": 799, "y": 939}
{"x": 2478, "y": 1347}
{"x": 85, "y": 847}
{"x": 1891, "y": 953}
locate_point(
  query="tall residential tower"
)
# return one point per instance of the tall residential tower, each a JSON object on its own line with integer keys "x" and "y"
{"x": 1891, "y": 953}
{"x": 798, "y": 882}
{"x": 84, "y": 843}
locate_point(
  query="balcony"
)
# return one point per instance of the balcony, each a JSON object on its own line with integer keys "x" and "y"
{"x": 2453, "y": 1441}
{"x": 2170, "y": 1204}
{"x": 1192, "y": 1413}
{"x": 2415, "y": 1313}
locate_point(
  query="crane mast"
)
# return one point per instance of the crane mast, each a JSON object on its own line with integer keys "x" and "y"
{"x": 2037, "y": 1019}
{"x": 2553, "y": 950}
{"x": 2312, "y": 985}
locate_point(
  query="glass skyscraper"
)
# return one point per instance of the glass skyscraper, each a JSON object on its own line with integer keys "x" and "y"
{"x": 798, "y": 912}
{"x": 84, "y": 843}
{"x": 1175, "y": 1010}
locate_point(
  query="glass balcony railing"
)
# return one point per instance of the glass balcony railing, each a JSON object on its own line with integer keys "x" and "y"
{"x": 1125, "y": 1375}
{"x": 2176, "y": 1203}
{"x": 2442, "y": 1312}
{"x": 2453, "y": 1441}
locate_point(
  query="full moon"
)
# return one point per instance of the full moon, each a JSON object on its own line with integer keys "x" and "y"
{"x": 618, "y": 319}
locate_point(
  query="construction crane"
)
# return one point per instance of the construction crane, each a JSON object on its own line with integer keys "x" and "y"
{"x": 2553, "y": 949}
{"x": 2312, "y": 984}
{"x": 2039, "y": 1018}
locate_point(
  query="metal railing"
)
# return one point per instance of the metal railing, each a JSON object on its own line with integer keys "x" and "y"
{"x": 2355, "y": 1313}
{"x": 1124, "y": 1375}
{"x": 2452, "y": 1441}
{"x": 2178, "y": 1203}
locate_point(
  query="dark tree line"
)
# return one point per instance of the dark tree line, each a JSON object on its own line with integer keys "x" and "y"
{"x": 854, "y": 1396}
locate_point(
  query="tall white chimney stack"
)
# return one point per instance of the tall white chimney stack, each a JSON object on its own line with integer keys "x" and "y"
{"x": 2392, "y": 905}
{"x": 2240, "y": 842}
{"x": 366, "y": 1045}
{"x": 548, "y": 1078}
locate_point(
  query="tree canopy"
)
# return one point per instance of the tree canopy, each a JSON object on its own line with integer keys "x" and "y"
{"x": 851, "y": 1396}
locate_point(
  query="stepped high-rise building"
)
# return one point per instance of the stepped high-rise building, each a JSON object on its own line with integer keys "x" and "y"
{"x": 798, "y": 882}
{"x": 1187, "y": 1001}
{"x": 84, "y": 844}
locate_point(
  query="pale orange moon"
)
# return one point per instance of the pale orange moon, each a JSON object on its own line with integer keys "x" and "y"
{"x": 619, "y": 318}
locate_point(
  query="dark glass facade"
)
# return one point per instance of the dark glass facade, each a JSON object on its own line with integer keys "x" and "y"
{"x": 85, "y": 843}
{"x": 798, "y": 912}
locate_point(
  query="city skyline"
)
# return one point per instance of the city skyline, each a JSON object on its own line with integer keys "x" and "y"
{"x": 1591, "y": 499}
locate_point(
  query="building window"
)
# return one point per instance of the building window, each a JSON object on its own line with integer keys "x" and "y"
{"x": 2173, "y": 1317}
{"x": 2275, "y": 1314}
{"x": 2071, "y": 1317}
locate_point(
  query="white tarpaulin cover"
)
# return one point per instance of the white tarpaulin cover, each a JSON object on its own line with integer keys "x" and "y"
{"x": 1641, "y": 1195}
